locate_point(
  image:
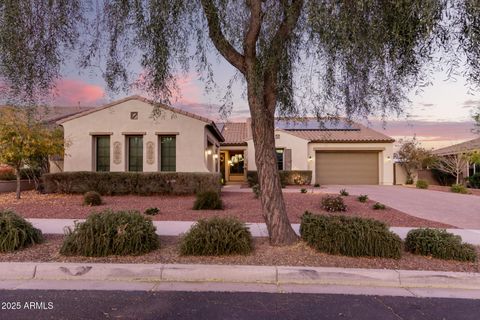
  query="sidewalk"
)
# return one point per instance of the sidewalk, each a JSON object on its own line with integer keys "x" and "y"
{"x": 175, "y": 228}
{"x": 151, "y": 277}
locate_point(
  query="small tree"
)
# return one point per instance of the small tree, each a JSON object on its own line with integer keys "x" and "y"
{"x": 412, "y": 157}
{"x": 23, "y": 141}
{"x": 453, "y": 164}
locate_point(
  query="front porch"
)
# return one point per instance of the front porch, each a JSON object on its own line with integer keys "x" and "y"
{"x": 233, "y": 165}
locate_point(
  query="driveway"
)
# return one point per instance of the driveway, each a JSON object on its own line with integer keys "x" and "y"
{"x": 459, "y": 210}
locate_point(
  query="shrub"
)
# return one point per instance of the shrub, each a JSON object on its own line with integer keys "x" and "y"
{"x": 333, "y": 203}
{"x": 316, "y": 185}
{"x": 111, "y": 233}
{"x": 409, "y": 181}
{"x": 92, "y": 198}
{"x": 208, "y": 200}
{"x": 217, "y": 236}
{"x": 350, "y": 236}
{"x": 287, "y": 177}
{"x": 378, "y": 206}
{"x": 439, "y": 244}
{"x": 256, "y": 191}
{"x": 303, "y": 190}
{"x": 474, "y": 181}
{"x": 153, "y": 211}
{"x": 362, "y": 198}
{"x": 459, "y": 188}
{"x": 141, "y": 183}
{"x": 344, "y": 192}
{"x": 422, "y": 184}
{"x": 17, "y": 233}
{"x": 8, "y": 173}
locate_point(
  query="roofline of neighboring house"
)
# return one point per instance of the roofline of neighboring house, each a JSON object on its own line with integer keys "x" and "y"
{"x": 210, "y": 123}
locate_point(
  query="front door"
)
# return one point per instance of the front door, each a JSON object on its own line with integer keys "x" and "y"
{"x": 232, "y": 165}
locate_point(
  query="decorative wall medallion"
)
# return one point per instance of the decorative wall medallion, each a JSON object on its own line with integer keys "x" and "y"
{"x": 117, "y": 152}
{"x": 150, "y": 152}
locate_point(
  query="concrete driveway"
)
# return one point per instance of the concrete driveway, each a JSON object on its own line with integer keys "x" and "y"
{"x": 459, "y": 210}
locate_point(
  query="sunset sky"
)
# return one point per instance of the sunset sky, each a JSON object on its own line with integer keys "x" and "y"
{"x": 440, "y": 115}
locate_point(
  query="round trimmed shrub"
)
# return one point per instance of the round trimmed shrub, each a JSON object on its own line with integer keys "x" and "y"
{"x": 333, "y": 203}
{"x": 422, "y": 184}
{"x": 92, "y": 198}
{"x": 459, "y": 188}
{"x": 208, "y": 200}
{"x": 111, "y": 233}
{"x": 153, "y": 211}
{"x": 17, "y": 233}
{"x": 440, "y": 244}
{"x": 350, "y": 236}
{"x": 217, "y": 236}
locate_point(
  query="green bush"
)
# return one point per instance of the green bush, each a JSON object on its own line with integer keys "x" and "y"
{"x": 111, "y": 233}
{"x": 344, "y": 192}
{"x": 439, "y": 244}
{"x": 217, "y": 236}
{"x": 474, "y": 181}
{"x": 303, "y": 190}
{"x": 208, "y": 200}
{"x": 333, "y": 203}
{"x": 141, "y": 183}
{"x": 287, "y": 177}
{"x": 16, "y": 233}
{"x": 92, "y": 198}
{"x": 362, "y": 198}
{"x": 378, "y": 206}
{"x": 256, "y": 191}
{"x": 316, "y": 185}
{"x": 422, "y": 184}
{"x": 459, "y": 188}
{"x": 153, "y": 211}
{"x": 350, "y": 236}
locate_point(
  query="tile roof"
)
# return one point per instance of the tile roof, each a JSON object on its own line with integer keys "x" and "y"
{"x": 469, "y": 145}
{"x": 236, "y": 133}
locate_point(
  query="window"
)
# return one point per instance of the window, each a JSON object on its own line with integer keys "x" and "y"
{"x": 236, "y": 162}
{"x": 168, "y": 153}
{"x": 102, "y": 153}
{"x": 135, "y": 153}
{"x": 279, "y": 158}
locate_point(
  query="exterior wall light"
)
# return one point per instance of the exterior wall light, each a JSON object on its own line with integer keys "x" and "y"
{"x": 209, "y": 151}
{"x": 215, "y": 156}
{"x": 310, "y": 158}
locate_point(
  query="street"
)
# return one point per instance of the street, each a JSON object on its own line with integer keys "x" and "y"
{"x": 63, "y": 304}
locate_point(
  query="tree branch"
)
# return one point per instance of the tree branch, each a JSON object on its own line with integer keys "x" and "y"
{"x": 290, "y": 19}
{"x": 218, "y": 38}
{"x": 254, "y": 26}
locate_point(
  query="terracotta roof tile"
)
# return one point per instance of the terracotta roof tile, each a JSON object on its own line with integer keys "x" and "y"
{"x": 470, "y": 145}
{"x": 235, "y": 133}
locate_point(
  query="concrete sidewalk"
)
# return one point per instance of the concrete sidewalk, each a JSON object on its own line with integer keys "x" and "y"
{"x": 175, "y": 228}
{"x": 149, "y": 277}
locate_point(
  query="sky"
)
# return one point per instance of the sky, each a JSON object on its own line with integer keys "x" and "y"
{"x": 439, "y": 115}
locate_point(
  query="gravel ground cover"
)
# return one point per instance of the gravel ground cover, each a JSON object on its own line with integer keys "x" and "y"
{"x": 264, "y": 254}
{"x": 239, "y": 204}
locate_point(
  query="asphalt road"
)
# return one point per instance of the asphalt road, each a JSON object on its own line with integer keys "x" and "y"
{"x": 218, "y": 305}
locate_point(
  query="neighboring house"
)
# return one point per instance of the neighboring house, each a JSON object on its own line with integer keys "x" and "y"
{"x": 336, "y": 151}
{"x": 124, "y": 136}
{"x": 470, "y": 146}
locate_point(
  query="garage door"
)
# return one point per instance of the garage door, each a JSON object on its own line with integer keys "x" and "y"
{"x": 350, "y": 167}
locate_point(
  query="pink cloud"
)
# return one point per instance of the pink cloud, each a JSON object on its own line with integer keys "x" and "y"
{"x": 75, "y": 92}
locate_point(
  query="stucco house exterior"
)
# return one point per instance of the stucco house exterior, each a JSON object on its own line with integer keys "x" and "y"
{"x": 336, "y": 151}
{"x": 124, "y": 136}
{"x": 470, "y": 146}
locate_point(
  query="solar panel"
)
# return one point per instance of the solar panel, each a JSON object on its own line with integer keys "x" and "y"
{"x": 314, "y": 124}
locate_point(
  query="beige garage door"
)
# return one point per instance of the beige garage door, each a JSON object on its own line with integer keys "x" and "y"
{"x": 350, "y": 167}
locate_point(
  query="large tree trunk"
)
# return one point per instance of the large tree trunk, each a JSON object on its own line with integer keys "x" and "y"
{"x": 17, "y": 173}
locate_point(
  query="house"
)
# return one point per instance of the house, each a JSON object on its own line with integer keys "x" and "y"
{"x": 470, "y": 146}
{"x": 125, "y": 136}
{"x": 337, "y": 151}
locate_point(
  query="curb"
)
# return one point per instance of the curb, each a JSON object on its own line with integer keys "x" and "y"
{"x": 273, "y": 275}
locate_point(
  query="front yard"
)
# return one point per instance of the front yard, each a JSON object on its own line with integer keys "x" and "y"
{"x": 239, "y": 204}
